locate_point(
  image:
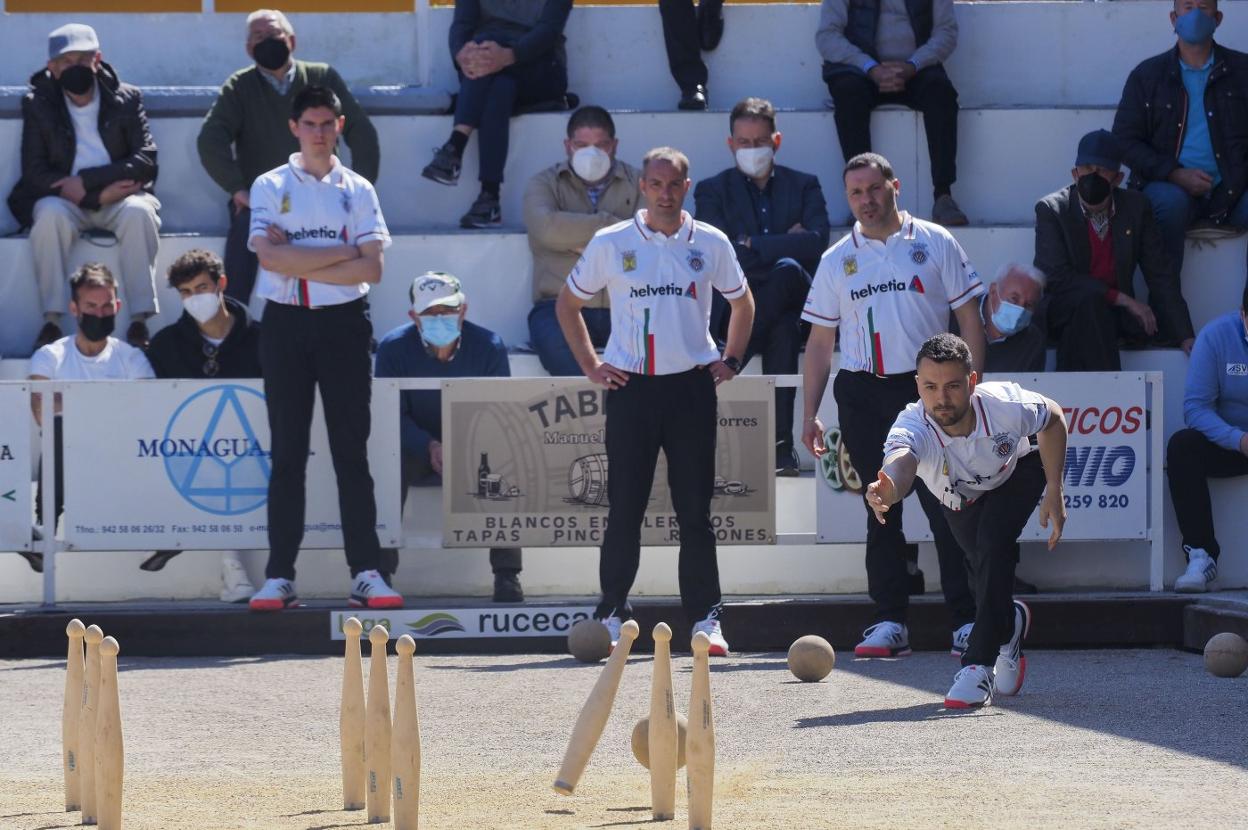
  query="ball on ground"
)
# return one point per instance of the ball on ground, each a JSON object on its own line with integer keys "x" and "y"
{"x": 641, "y": 741}
{"x": 589, "y": 641}
{"x": 1226, "y": 655}
{"x": 811, "y": 658}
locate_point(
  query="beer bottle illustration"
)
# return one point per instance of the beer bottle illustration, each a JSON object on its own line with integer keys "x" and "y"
{"x": 483, "y": 473}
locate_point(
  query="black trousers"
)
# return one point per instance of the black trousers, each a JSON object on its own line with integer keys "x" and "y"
{"x": 684, "y": 45}
{"x": 1191, "y": 460}
{"x": 1087, "y": 330}
{"x": 930, "y": 92}
{"x": 676, "y": 414}
{"x": 779, "y": 297}
{"x": 240, "y": 262}
{"x": 988, "y": 530}
{"x": 868, "y": 406}
{"x": 417, "y": 471}
{"x": 302, "y": 350}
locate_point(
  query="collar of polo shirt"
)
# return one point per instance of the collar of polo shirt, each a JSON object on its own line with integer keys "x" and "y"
{"x": 302, "y": 174}
{"x": 685, "y": 231}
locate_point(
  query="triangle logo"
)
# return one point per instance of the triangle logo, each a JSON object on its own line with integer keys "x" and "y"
{"x": 916, "y": 285}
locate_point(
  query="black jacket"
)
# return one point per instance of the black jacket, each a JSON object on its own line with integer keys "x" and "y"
{"x": 177, "y": 350}
{"x": 1064, "y": 254}
{"x": 48, "y": 142}
{"x": 1152, "y": 119}
{"x": 724, "y": 201}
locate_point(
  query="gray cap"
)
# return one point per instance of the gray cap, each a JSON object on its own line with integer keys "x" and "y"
{"x": 72, "y": 37}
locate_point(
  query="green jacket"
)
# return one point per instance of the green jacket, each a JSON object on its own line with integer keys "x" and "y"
{"x": 247, "y": 132}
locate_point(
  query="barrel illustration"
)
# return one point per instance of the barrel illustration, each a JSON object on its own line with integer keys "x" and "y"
{"x": 587, "y": 480}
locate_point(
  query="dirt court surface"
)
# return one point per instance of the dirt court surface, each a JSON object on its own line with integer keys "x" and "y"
{"x": 1096, "y": 739}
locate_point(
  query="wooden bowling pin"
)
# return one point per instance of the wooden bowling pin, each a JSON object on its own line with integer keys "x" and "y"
{"x": 700, "y": 738}
{"x": 86, "y": 725}
{"x": 377, "y": 729}
{"x": 663, "y": 729}
{"x": 70, "y": 712}
{"x": 351, "y": 720}
{"x": 405, "y": 741}
{"x": 109, "y": 749}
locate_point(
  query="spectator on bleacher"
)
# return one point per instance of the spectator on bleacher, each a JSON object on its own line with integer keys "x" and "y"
{"x": 88, "y": 163}
{"x": 247, "y": 131}
{"x": 318, "y": 230}
{"x": 686, "y": 33}
{"x": 213, "y": 339}
{"x": 1015, "y": 342}
{"x": 1215, "y": 443}
{"x": 1090, "y": 237}
{"x": 509, "y": 54}
{"x": 777, "y": 220}
{"x": 90, "y": 354}
{"x": 892, "y": 52}
{"x": 564, "y": 206}
{"x": 440, "y": 343}
{"x": 1184, "y": 129}
{"x": 888, "y": 285}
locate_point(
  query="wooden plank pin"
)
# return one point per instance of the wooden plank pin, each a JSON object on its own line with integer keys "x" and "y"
{"x": 663, "y": 729}
{"x": 405, "y": 741}
{"x": 351, "y": 724}
{"x": 72, "y": 708}
{"x": 377, "y": 729}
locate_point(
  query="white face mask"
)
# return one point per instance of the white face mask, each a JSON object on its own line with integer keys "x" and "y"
{"x": 755, "y": 161}
{"x": 203, "y": 307}
{"x": 591, "y": 164}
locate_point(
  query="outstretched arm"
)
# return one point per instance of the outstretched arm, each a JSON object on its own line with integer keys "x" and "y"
{"x": 893, "y": 483}
{"x": 1052, "y": 441}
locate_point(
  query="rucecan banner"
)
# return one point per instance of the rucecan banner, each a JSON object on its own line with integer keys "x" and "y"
{"x": 525, "y": 464}
{"x": 1105, "y": 478}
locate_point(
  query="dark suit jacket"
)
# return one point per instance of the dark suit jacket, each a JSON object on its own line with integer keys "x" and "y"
{"x": 1064, "y": 254}
{"x": 724, "y": 201}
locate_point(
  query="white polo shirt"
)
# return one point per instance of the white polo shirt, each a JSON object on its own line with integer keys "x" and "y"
{"x": 889, "y": 297}
{"x": 61, "y": 360}
{"x": 660, "y": 291}
{"x": 959, "y": 470}
{"x": 340, "y": 209}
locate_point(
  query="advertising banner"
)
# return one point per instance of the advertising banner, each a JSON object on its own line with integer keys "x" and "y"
{"x": 467, "y": 623}
{"x": 526, "y": 465}
{"x": 167, "y": 465}
{"x": 16, "y": 508}
{"x": 1106, "y": 472}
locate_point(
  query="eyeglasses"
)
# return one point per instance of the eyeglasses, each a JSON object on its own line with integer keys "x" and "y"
{"x": 211, "y": 366}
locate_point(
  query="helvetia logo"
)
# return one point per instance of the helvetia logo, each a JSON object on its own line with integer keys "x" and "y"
{"x": 432, "y": 625}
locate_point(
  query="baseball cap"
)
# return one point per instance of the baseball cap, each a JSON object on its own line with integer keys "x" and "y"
{"x": 436, "y": 288}
{"x": 1099, "y": 147}
{"x": 72, "y": 37}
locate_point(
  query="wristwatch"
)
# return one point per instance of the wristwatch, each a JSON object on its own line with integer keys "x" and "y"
{"x": 733, "y": 364}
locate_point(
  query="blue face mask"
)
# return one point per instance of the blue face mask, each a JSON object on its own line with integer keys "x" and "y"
{"x": 1010, "y": 319}
{"x": 1195, "y": 27}
{"x": 440, "y": 330}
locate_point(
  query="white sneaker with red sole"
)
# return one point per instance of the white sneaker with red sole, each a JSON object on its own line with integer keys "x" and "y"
{"x": 712, "y": 629}
{"x": 1011, "y": 665}
{"x": 274, "y": 595}
{"x": 972, "y": 688}
{"x": 369, "y": 590}
{"x": 884, "y": 639}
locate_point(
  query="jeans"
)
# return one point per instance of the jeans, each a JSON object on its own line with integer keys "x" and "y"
{"x": 546, "y": 337}
{"x": 240, "y": 262}
{"x": 1175, "y": 210}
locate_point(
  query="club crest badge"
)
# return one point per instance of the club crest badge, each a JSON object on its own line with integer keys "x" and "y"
{"x": 918, "y": 253}
{"x": 1003, "y": 444}
{"x": 285, "y": 203}
{"x": 850, "y": 264}
{"x": 696, "y": 261}
{"x": 628, "y": 261}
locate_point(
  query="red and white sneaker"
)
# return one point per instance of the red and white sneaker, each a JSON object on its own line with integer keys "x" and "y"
{"x": 369, "y": 590}
{"x": 884, "y": 639}
{"x": 274, "y": 595}
{"x": 712, "y": 629}
{"x": 972, "y": 688}
{"x": 1011, "y": 665}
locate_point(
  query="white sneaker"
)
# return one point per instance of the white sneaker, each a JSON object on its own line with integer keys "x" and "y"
{"x": 961, "y": 640}
{"x": 1011, "y": 665}
{"x": 972, "y": 687}
{"x": 235, "y": 584}
{"x": 711, "y": 628}
{"x": 369, "y": 590}
{"x": 1201, "y": 571}
{"x": 612, "y": 625}
{"x": 884, "y": 639}
{"x": 274, "y": 595}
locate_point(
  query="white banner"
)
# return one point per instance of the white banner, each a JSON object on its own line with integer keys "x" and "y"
{"x": 1106, "y": 474}
{"x": 166, "y": 465}
{"x": 467, "y": 623}
{"x": 16, "y": 508}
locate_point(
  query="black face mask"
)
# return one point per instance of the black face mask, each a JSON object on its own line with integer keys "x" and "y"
{"x": 271, "y": 54}
{"x": 1093, "y": 188}
{"x": 77, "y": 79}
{"x": 96, "y": 328}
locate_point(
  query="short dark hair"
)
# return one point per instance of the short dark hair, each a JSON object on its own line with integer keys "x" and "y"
{"x": 875, "y": 160}
{"x": 668, "y": 154}
{"x": 311, "y": 97}
{"x": 193, "y": 263}
{"x": 759, "y": 108}
{"x": 91, "y": 275}
{"x": 945, "y": 347}
{"x": 591, "y": 116}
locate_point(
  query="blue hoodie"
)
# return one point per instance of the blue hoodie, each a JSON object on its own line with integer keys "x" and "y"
{"x": 1215, "y": 400}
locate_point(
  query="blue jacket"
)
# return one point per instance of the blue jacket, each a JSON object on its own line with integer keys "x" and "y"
{"x": 402, "y": 354}
{"x": 1215, "y": 400}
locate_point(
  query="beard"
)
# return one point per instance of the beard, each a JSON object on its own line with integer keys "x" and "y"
{"x": 949, "y": 417}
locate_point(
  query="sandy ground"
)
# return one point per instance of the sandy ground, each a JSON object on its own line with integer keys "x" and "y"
{"x": 1097, "y": 739}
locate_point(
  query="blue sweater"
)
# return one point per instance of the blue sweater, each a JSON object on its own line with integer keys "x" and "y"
{"x": 402, "y": 354}
{"x": 1215, "y": 400}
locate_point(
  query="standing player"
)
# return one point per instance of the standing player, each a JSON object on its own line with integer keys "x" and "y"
{"x": 661, "y": 368}
{"x": 319, "y": 233}
{"x": 970, "y": 444}
{"x": 893, "y": 281}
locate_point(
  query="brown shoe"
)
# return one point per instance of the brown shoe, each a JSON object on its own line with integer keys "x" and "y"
{"x": 946, "y": 212}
